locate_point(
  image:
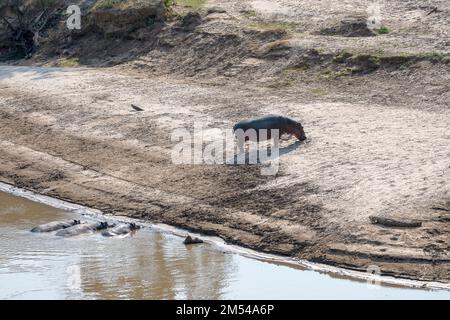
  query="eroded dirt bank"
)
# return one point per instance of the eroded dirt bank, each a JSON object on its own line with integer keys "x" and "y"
{"x": 72, "y": 134}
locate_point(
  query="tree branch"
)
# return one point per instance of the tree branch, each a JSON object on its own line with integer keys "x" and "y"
{"x": 8, "y": 23}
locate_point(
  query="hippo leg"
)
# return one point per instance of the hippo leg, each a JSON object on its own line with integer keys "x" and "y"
{"x": 241, "y": 144}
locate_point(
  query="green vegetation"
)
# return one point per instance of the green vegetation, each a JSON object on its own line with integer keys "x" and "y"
{"x": 249, "y": 13}
{"x": 108, "y": 4}
{"x": 195, "y": 4}
{"x": 333, "y": 75}
{"x": 69, "y": 63}
{"x": 383, "y": 30}
{"x": 122, "y": 4}
{"x": 297, "y": 68}
{"x": 318, "y": 92}
{"x": 342, "y": 56}
{"x": 168, "y": 3}
{"x": 438, "y": 57}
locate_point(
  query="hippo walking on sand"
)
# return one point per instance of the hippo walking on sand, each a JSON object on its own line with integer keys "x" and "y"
{"x": 82, "y": 229}
{"x": 121, "y": 230}
{"x": 55, "y": 225}
{"x": 285, "y": 125}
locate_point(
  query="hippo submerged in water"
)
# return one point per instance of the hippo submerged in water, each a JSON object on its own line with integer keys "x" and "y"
{"x": 55, "y": 225}
{"x": 121, "y": 230}
{"x": 83, "y": 228}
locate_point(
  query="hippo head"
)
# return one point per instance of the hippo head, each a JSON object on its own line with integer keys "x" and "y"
{"x": 102, "y": 225}
{"x": 134, "y": 226}
{"x": 298, "y": 132}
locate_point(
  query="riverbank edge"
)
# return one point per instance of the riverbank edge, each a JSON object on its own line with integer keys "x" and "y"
{"x": 218, "y": 243}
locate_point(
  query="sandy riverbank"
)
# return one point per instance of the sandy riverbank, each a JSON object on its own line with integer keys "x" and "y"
{"x": 72, "y": 134}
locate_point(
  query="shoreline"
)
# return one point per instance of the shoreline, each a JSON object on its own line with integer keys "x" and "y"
{"x": 222, "y": 245}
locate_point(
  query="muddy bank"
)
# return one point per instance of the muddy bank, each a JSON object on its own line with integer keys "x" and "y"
{"x": 73, "y": 135}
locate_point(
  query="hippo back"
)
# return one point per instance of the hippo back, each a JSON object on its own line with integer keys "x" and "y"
{"x": 82, "y": 228}
{"x": 267, "y": 122}
{"x": 55, "y": 225}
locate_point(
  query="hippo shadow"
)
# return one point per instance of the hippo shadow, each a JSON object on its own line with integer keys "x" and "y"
{"x": 251, "y": 156}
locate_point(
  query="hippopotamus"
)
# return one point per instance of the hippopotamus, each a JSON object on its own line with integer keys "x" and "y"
{"x": 55, "y": 225}
{"x": 285, "y": 125}
{"x": 82, "y": 229}
{"x": 121, "y": 230}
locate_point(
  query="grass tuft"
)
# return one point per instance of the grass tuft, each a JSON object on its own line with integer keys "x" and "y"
{"x": 383, "y": 30}
{"x": 68, "y": 63}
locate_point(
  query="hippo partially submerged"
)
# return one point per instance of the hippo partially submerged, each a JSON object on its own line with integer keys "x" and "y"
{"x": 55, "y": 225}
{"x": 82, "y": 229}
{"x": 121, "y": 230}
{"x": 284, "y": 125}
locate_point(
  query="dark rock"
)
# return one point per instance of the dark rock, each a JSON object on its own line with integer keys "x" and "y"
{"x": 390, "y": 222}
{"x": 190, "y": 21}
{"x": 216, "y": 10}
{"x": 440, "y": 209}
{"x": 136, "y": 108}
{"x": 349, "y": 28}
{"x": 192, "y": 240}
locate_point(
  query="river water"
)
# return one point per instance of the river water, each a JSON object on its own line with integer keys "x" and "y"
{"x": 151, "y": 264}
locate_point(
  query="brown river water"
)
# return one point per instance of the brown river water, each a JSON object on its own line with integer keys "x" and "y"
{"x": 151, "y": 264}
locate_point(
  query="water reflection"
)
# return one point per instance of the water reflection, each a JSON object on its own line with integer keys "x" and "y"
{"x": 155, "y": 265}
